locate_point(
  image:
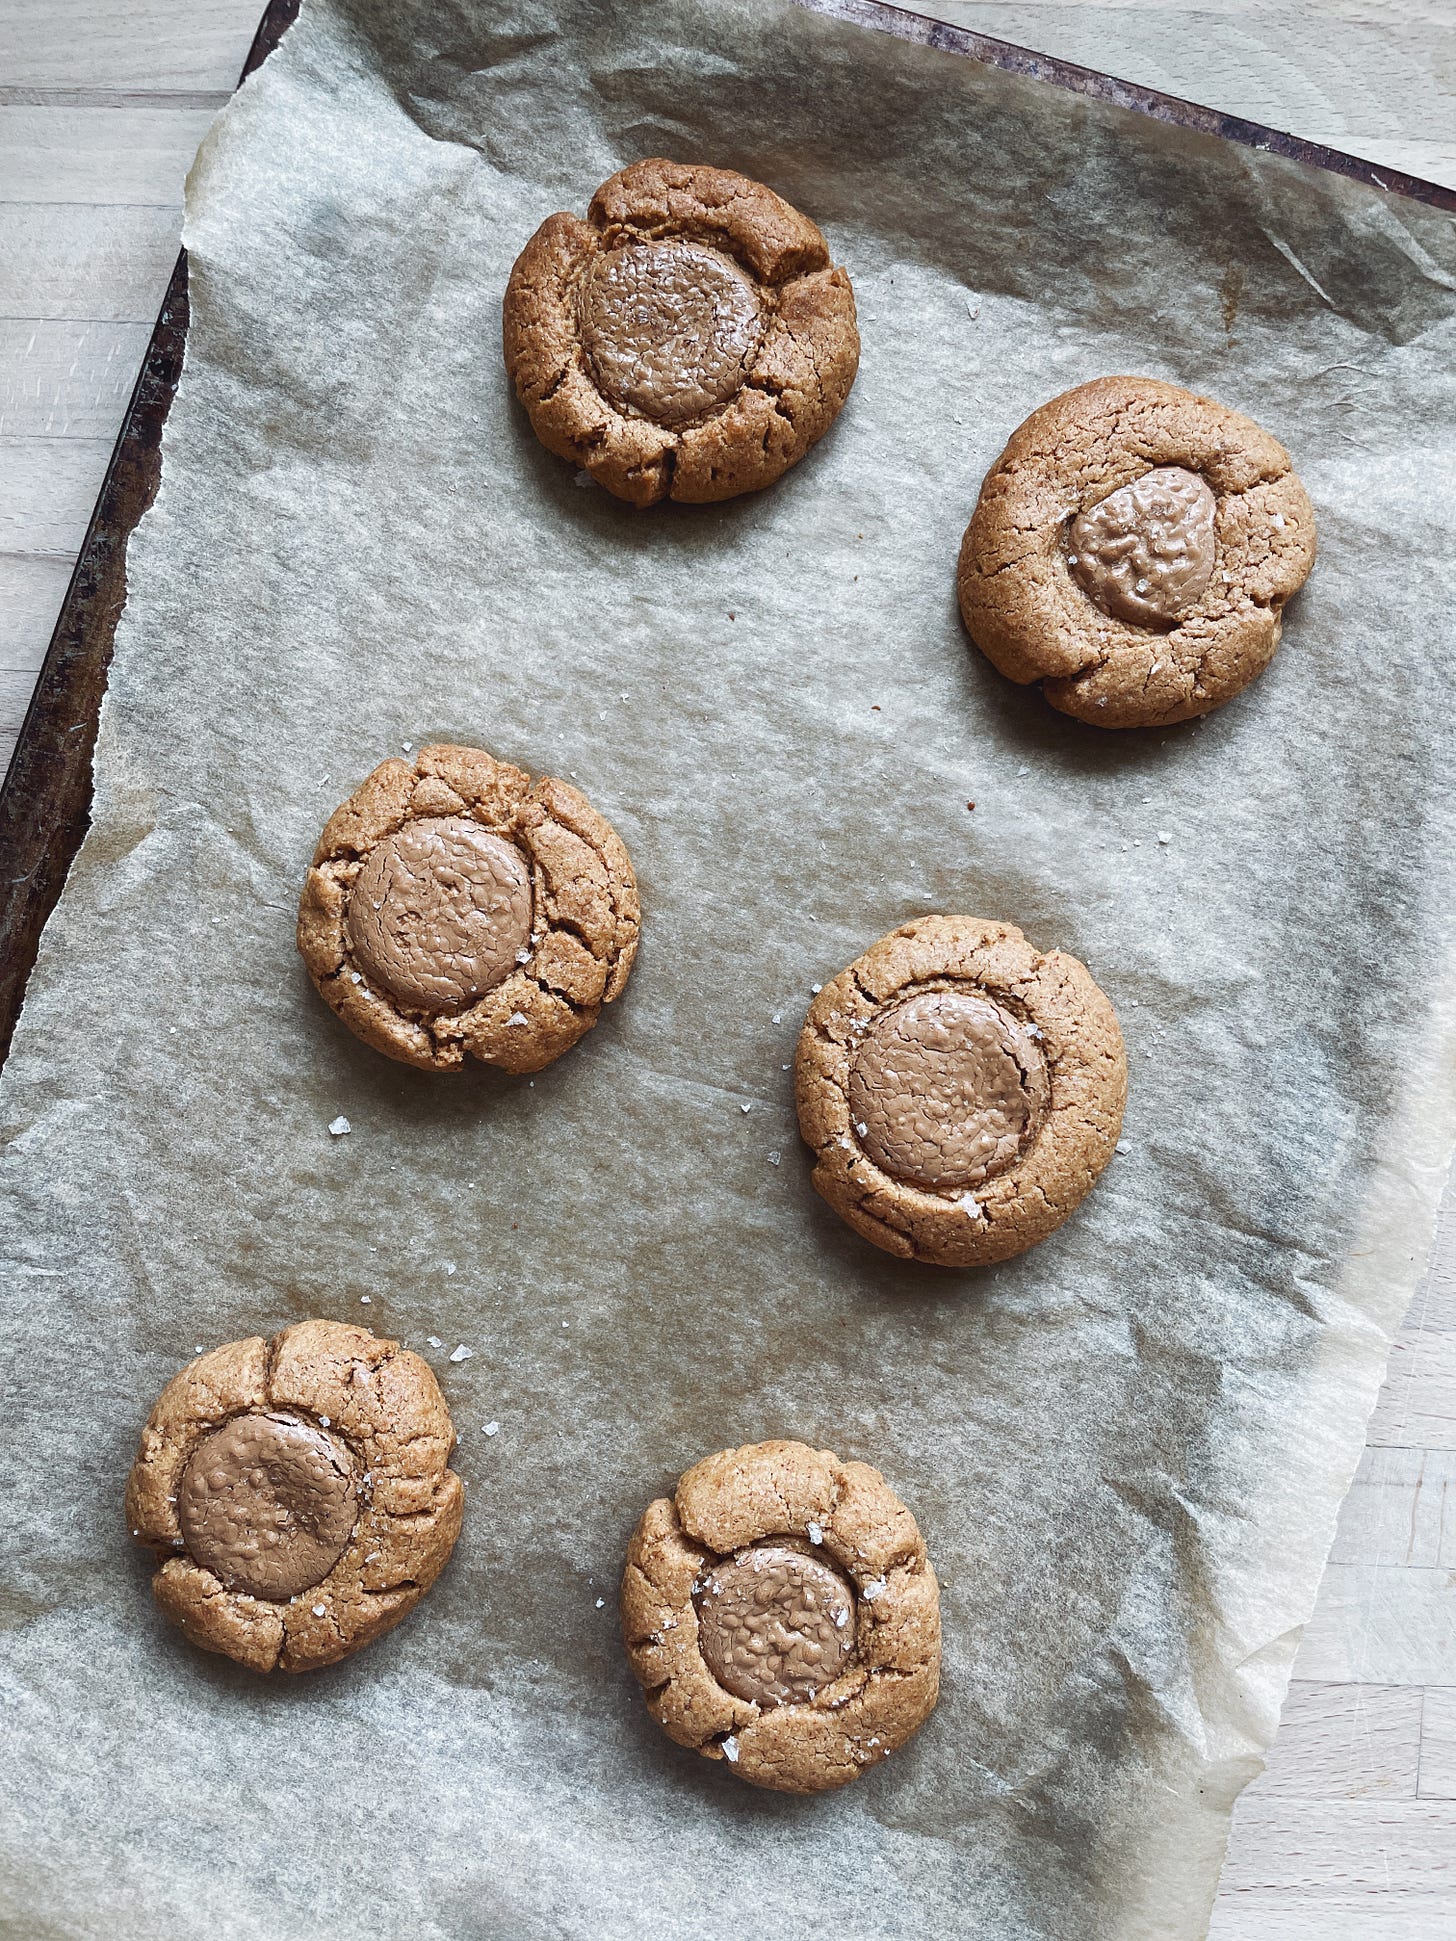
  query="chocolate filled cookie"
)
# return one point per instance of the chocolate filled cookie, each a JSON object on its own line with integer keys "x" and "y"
{"x": 960, "y": 1091}
{"x": 1132, "y": 550}
{"x": 689, "y": 340}
{"x": 455, "y": 906}
{"x": 781, "y": 1615}
{"x": 297, "y": 1494}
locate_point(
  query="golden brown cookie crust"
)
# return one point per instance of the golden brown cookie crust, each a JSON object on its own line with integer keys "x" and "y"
{"x": 845, "y": 1512}
{"x": 1022, "y": 602}
{"x": 586, "y": 912}
{"x": 795, "y": 379}
{"x": 373, "y": 1397}
{"x": 1086, "y": 1071}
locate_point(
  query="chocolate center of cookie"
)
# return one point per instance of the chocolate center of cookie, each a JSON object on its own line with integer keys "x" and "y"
{"x": 775, "y": 1625}
{"x": 268, "y": 1504}
{"x": 439, "y": 912}
{"x": 1145, "y": 554}
{"x": 947, "y": 1089}
{"x": 668, "y": 328}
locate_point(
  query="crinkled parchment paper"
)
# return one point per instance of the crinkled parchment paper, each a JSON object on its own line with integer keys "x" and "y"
{"x": 1127, "y": 1447}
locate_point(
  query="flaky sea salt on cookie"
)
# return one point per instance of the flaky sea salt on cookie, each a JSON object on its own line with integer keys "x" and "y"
{"x": 455, "y": 906}
{"x": 961, "y": 1091}
{"x": 1132, "y": 550}
{"x": 781, "y": 1615}
{"x": 690, "y": 339}
{"x": 296, "y": 1494}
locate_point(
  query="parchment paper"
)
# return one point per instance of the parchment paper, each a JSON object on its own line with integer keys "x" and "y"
{"x": 1127, "y": 1447}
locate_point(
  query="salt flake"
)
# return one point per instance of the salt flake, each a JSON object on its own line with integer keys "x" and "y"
{"x": 491, "y": 1429}
{"x": 338, "y": 1127}
{"x": 730, "y": 1750}
{"x": 462, "y": 1353}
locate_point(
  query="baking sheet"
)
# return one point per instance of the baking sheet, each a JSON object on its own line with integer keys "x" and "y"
{"x": 1126, "y": 1448}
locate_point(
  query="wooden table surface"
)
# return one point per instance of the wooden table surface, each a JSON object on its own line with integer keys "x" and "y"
{"x": 1351, "y": 1833}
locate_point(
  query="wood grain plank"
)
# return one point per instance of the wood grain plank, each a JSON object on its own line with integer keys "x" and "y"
{"x": 1379, "y": 1624}
{"x": 32, "y": 587}
{"x": 93, "y": 155}
{"x": 1400, "y": 1510}
{"x": 47, "y": 489}
{"x": 31, "y": 590}
{"x": 68, "y": 260}
{"x": 150, "y": 44}
{"x": 1359, "y": 1917}
{"x": 1344, "y": 1742}
{"x": 67, "y": 380}
{"x": 1437, "y": 1774}
{"x": 1399, "y": 1849}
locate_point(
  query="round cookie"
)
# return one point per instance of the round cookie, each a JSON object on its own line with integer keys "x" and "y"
{"x": 780, "y": 1613}
{"x": 1132, "y": 550}
{"x": 689, "y": 340}
{"x": 297, "y": 1494}
{"x": 455, "y": 906}
{"x": 960, "y": 1091}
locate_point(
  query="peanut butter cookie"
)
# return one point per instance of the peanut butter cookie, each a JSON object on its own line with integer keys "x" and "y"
{"x": 1132, "y": 549}
{"x": 454, "y": 906}
{"x": 690, "y": 340}
{"x": 961, "y": 1092}
{"x": 781, "y": 1614}
{"x": 296, "y": 1493}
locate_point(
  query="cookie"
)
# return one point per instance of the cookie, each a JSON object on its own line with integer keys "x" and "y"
{"x": 960, "y": 1091}
{"x": 1132, "y": 550}
{"x": 690, "y": 340}
{"x": 455, "y": 906}
{"x": 781, "y": 1615}
{"x": 297, "y": 1494}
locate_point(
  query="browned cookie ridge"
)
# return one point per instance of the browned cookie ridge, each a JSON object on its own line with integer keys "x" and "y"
{"x": 455, "y": 906}
{"x": 1132, "y": 550}
{"x": 297, "y": 1494}
{"x": 781, "y": 1615}
{"x": 960, "y": 1090}
{"x": 690, "y": 339}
